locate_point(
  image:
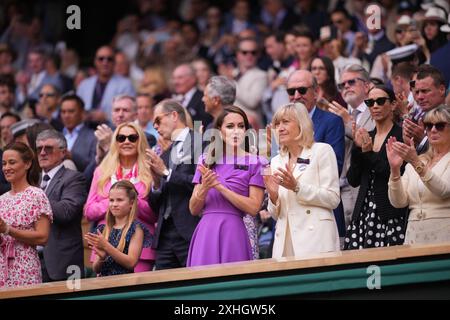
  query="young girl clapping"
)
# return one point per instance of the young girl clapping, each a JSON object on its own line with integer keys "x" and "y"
{"x": 119, "y": 243}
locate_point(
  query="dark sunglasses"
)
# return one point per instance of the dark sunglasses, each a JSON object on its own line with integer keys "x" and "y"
{"x": 157, "y": 120}
{"x": 412, "y": 84}
{"x": 47, "y": 149}
{"x": 350, "y": 82}
{"x": 440, "y": 126}
{"x": 380, "y": 101}
{"x": 108, "y": 58}
{"x": 132, "y": 138}
{"x": 41, "y": 95}
{"x": 301, "y": 90}
{"x": 246, "y": 52}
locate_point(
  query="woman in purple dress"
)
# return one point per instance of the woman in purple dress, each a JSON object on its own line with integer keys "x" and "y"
{"x": 228, "y": 186}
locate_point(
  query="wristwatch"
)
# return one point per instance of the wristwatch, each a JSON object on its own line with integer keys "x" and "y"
{"x": 166, "y": 173}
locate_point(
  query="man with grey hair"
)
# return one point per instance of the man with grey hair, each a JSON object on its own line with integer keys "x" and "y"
{"x": 188, "y": 95}
{"x": 172, "y": 188}
{"x": 354, "y": 87}
{"x": 67, "y": 192}
{"x": 219, "y": 93}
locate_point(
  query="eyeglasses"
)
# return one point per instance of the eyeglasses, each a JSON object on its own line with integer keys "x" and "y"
{"x": 107, "y": 58}
{"x": 43, "y": 94}
{"x": 132, "y": 138}
{"x": 412, "y": 84}
{"x": 246, "y": 52}
{"x": 351, "y": 83}
{"x": 440, "y": 126}
{"x": 47, "y": 149}
{"x": 157, "y": 120}
{"x": 301, "y": 90}
{"x": 380, "y": 101}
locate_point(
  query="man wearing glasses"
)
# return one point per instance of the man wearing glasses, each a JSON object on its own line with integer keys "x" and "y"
{"x": 354, "y": 88}
{"x": 328, "y": 128}
{"x": 67, "y": 191}
{"x": 47, "y": 108}
{"x": 99, "y": 90}
{"x": 251, "y": 81}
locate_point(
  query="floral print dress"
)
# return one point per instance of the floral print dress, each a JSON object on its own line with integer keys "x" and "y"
{"x": 19, "y": 262}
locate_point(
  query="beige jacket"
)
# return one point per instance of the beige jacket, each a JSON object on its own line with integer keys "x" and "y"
{"x": 309, "y": 212}
{"x": 434, "y": 199}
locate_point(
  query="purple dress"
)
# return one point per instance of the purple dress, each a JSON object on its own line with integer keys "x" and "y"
{"x": 221, "y": 235}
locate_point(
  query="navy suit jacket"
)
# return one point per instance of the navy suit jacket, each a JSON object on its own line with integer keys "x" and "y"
{"x": 329, "y": 128}
{"x": 83, "y": 152}
{"x": 196, "y": 108}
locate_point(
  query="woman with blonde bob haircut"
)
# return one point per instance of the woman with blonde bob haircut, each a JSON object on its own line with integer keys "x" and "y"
{"x": 425, "y": 185}
{"x": 303, "y": 187}
{"x": 124, "y": 161}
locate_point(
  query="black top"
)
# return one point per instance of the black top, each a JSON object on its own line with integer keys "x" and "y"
{"x": 362, "y": 163}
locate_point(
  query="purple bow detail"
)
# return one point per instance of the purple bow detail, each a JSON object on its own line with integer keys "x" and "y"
{"x": 301, "y": 160}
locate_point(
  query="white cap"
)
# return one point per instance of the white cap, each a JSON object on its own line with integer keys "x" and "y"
{"x": 404, "y": 20}
{"x": 19, "y": 128}
{"x": 441, "y": 3}
{"x": 402, "y": 52}
{"x": 435, "y": 13}
{"x": 446, "y": 27}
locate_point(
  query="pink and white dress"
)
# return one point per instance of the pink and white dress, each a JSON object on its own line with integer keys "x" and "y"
{"x": 19, "y": 262}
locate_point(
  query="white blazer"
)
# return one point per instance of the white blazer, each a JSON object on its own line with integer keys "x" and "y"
{"x": 310, "y": 212}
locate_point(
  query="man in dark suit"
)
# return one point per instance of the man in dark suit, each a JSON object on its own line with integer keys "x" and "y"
{"x": 172, "y": 185}
{"x": 185, "y": 85}
{"x": 66, "y": 190}
{"x": 328, "y": 128}
{"x": 80, "y": 138}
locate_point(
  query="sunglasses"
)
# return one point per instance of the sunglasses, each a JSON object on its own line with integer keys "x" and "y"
{"x": 301, "y": 90}
{"x": 132, "y": 138}
{"x": 41, "y": 95}
{"x": 380, "y": 101}
{"x": 351, "y": 83}
{"x": 246, "y": 52}
{"x": 412, "y": 84}
{"x": 157, "y": 120}
{"x": 107, "y": 58}
{"x": 440, "y": 126}
{"x": 47, "y": 149}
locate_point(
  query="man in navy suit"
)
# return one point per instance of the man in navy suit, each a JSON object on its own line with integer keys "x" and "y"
{"x": 328, "y": 128}
{"x": 80, "y": 138}
{"x": 172, "y": 188}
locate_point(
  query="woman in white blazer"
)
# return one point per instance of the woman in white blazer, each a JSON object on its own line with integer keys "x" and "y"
{"x": 425, "y": 184}
{"x": 303, "y": 187}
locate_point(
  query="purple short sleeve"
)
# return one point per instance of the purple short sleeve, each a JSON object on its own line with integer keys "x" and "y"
{"x": 198, "y": 175}
{"x": 256, "y": 178}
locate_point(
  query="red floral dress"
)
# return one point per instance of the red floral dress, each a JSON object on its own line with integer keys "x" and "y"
{"x": 19, "y": 262}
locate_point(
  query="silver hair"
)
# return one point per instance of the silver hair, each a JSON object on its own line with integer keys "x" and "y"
{"x": 53, "y": 134}
{"x": 357, "y": 69}
{"x": 222, "y": 87}
{"x": 120, "y": 97}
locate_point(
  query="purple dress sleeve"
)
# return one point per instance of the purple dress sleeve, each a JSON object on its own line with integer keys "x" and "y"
{"x": 256, "y": 178}
{"x": 198, "y": 175}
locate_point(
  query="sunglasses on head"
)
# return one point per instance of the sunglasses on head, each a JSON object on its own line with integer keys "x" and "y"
{"x": 107, "y": 58}
{"x": 351, "y": 83}
{"x": 380, "y": 101}
{"x": 132, "y": 138}
{"x": 47, "y": 149}
{"x": 440, "y": 126}
{"x": 301, "y": 90}
{"x": 246, "y": 52}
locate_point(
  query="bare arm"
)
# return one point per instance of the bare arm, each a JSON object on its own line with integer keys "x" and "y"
{"x": 38, "y": 236}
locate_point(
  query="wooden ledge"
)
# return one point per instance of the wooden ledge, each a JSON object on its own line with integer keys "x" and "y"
{"x": 233, "y": 269}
